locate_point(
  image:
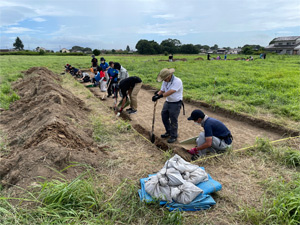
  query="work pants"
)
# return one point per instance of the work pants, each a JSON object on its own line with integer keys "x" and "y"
{"x": 169, "y": 115}
{"x": 218, "y": 145}
{"x": 133, "y": 95}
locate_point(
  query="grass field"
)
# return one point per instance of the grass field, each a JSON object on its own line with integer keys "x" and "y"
{"x": 91, "y": 198}
{"x": 265, "y": 88}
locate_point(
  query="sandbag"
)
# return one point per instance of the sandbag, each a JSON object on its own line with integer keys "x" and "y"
{"x": 185, "y": 193}
{"x": 174, "y": 176}
{"x": 195, "y": 177}
{"x": 158, "y": 188}
{"x": 180, "y": 164}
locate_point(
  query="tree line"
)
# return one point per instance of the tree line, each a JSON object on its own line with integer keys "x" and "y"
{"x": 168, "y": 46}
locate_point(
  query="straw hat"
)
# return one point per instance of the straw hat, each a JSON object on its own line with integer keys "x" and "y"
{"x": 164, "y": 73}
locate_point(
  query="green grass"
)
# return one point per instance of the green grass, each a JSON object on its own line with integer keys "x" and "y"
{"x": 280, "y": 204}
{"x": 284, "y": 155}
{"x": 281, "y": 200}
{"x": 87, "y": 199}
{"x": 259, "y": 86}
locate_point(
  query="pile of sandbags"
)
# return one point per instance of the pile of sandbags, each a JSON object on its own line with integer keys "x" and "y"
{"x": 176, "y": 181}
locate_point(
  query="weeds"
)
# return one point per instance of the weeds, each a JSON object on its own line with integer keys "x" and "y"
{"x": 83, "y": 200}
{"x": 284, "y": 155}
{"x": 281, "y": 204}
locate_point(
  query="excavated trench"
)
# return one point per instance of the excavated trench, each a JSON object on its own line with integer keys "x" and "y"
{"x": 245, "y": 129}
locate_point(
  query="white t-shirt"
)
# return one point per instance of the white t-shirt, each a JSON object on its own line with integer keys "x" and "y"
{"x": 176, "y": 85}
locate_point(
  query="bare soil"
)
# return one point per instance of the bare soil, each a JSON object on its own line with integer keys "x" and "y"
{"x": 45, "y": 130}
{"x": 243, "y": 130}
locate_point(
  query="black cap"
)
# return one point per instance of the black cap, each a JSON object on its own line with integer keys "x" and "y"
{"x": 102, "y": 59}
{"x": 117, "y": 66}
{"x": 196, "y": 114}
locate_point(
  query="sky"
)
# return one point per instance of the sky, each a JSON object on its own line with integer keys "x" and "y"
{"x": 114, "y": 24}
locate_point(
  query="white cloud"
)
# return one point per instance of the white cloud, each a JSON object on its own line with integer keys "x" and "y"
{"x": 17, "y": 30}
{"x": 165, "y": 16}
{"x": 39, "y": 19}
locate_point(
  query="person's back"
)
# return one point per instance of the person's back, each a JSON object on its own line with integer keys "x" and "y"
{"x": 214, "y": 127}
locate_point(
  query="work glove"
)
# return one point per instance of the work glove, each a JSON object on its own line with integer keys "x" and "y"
{"x": 193, "y": 151}
{"x": 155, "y": 93}
{"x": 156, "y": 97}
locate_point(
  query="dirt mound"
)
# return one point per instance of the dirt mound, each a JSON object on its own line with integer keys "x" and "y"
{"x": 199, "y": 58}
{"x": 46, "y": 129}
{"x": 174, "y": 60}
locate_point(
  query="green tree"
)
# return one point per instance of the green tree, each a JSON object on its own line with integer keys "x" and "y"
{"x": 189, "y": 49}
{"x": 96, "y": 52}
{"x": 148, "y": 47}
{"x": 170, "y": 45}
{"x": 215, "y": 47}
{"x": 18, "y": 44}
{"x": 127, "y": 48}
{"x": 247, "y": 50}
{"x": 205, "y": 47}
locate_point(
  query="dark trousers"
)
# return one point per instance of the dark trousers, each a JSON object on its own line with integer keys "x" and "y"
{"x": 169, "y": 115}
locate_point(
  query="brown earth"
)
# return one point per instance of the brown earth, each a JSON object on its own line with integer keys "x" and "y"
{"x": 45, "y": 129}
{"x": 174, "y": 60}
{"x": 244, "y": 129}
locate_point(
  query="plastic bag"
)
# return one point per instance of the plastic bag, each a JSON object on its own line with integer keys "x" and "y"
{"x": 195, "y": 177}
{"x": 180, "y": 164}
{"x": 158, "y": 190}
{"x": 185, "y": 193}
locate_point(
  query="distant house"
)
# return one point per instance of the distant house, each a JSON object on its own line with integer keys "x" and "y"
{"x": 64, "y": 50}
{"x": 38, "y": 49}
{"x": 221, "y": 51}
{"x": 234, "y": 51}
{"x": 285, "y": 45}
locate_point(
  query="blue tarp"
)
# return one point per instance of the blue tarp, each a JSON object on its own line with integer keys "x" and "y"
{"x": 201, "y": 202}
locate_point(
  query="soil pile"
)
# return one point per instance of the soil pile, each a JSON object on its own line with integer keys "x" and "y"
{"x": 47, "y": 129}
{"x": 199, "y": 58}
{"x": 174, "y": 60}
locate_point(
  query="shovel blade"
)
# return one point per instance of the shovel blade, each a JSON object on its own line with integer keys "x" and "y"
{"x": 152, "y": 137}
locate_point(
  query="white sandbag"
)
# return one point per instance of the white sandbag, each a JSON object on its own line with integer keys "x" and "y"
{"x": 185, "y": 193}
{"x": 174, "y": 177}
{"x": 157, "y": 190}
{"x": 195, "y": 177}
{"x": 180, "y": 164}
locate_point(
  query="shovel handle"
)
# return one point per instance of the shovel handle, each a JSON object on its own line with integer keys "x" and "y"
{"x": 154, "y": 109}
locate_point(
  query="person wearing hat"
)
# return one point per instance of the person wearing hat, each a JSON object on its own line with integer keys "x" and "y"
{"x": 172, "y": 89}
{"x": 216, "y": 137}
{"x": 94, "y": 62}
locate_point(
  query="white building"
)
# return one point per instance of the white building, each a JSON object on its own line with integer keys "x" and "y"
{"x": 64, "y": 50}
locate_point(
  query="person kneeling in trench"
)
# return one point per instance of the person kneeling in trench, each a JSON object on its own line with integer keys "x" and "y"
{"x": 216, "y": 137}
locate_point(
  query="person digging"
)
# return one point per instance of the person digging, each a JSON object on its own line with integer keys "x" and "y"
{"x": 216, "y": 137}
{"x": 172, "y": 89}
{"x": 130, "y": 86}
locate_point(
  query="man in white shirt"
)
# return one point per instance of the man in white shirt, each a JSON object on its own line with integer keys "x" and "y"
{"x": 171, "y": 89}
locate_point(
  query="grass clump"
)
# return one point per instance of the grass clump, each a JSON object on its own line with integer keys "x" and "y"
{"x": 281, "y": 204}
{"x": 284, "y": 155}
{"x": 85, "y": 200}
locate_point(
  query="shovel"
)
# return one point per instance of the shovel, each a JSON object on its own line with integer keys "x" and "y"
{"x": 152, "y": 136}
